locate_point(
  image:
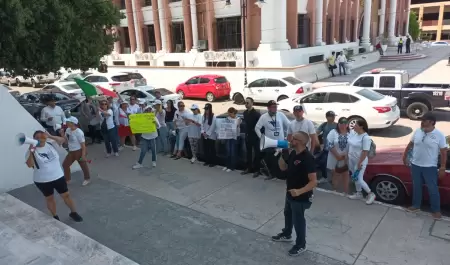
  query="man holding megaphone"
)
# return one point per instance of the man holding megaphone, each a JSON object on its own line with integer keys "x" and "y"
{"x": 48, "y": 175}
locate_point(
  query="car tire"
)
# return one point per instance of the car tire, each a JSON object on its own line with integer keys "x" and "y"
{"x": 18, "y": 84}
{"x": 210, "y": 97}
{"x": 389, "y": 189}
{"x": 416, "y": 110}
{"x": 238, "y": 99}
{"x": 282, "y": 97}
{"x": 352, "y": 120}
{"x": 181, "y": 94}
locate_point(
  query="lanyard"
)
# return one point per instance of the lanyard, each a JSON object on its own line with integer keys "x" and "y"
{"x": 275, "y": 122}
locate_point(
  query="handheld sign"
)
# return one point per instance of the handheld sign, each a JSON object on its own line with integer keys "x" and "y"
{"x": 142, "y": 123}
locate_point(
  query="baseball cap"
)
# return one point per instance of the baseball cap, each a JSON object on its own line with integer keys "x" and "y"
{"x": 330, "y": 114}
{"x": 72, "y": 119}
{"x": 271, "y": 103}
{"x": 141, "y": 101}
{"x": 208, "y": 106}
{"x": 194, "y": 106}
{"x": 429, "y": 117}
{"x": 298, "y": 108}
{"x": 157, "y": 102}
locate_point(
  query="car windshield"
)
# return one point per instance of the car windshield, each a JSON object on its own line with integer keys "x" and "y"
{"x": 292, "y": 80}
{"x": 71, "y": 87}
{"x": 121, "y": 78}
{"x": 135, "y": 76}
{"x": 163, "y": 91}
{"x": 370, "y": 94}
{"x": 220, "y": 80}
{"x": 72, "y": 77}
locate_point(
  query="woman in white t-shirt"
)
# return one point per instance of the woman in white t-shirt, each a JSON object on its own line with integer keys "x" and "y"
{"x": 359, "y": 143}
{"x": 337, "y": 141}
{"x": 181, "y": 129}
{"x": 107, "y": 128}
{"x": 194, "y": 130}
{"x": 48, "y": 175}
{"x": 77, "y": 150}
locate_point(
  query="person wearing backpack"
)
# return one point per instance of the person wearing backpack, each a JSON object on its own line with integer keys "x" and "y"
{"x": 360, "y": 147}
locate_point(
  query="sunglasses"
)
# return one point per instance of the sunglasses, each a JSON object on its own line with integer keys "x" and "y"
{"x": 181, "y": 106}
{"x": 343, "y": 122}
{"x": 103, "y": 104}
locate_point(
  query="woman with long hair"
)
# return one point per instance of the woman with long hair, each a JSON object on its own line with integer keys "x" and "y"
{"x": 181, "y": 129}
{"x": 337, "y": 141}
{"x": 359, "y": 143}
{"x": 162, "y": 144}
{"x": 209, "y": 136}
{"x": 133, "y": 108}
{"x": 231, "y": 143}
{"x": 195, "y": 123}
{"x": 170, "y": 113}
{"x": 107, "y": 128}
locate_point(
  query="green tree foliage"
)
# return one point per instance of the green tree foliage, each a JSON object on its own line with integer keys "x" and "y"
{"x": 414, "y": 28}
{"x": 46, "y": 34}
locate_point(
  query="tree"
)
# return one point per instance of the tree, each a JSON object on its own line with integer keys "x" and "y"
{"x": 46, "y": 34}
{"x": 414, "y": 28}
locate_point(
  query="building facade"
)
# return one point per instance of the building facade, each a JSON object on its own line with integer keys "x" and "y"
{"x": 278, "y": 32}
{"x": 434, "y": 19}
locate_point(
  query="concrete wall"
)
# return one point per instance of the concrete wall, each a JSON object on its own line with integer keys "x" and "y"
{"x": 15, "y": 119}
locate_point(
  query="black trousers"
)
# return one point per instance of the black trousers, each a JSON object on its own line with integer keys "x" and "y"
{"x": 253, "y": 154}
{"x": 400, "y": 49}
{"x": 271, "y": 162}
{"x": 209, "y": 150}
{"x": 408, "y": 48}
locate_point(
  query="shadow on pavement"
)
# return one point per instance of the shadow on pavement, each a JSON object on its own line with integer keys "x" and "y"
{"x": 396, "y": 131}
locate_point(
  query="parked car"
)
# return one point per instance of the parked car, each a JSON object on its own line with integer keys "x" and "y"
{"x": 70, "y": 77}
{"x": 32, "y": 102}
{"x": 114, "y": 82}
{"x": 439, "y": 43}
{"x": 6, "y": 78}
{"x": 391, "y": 180}
{"x": 148, "y": 94}
{"x": 70, "y": 88}
{"x": 34, "y": 78}
{"x": 264, "y": 89}
{"x": 378, "y": 110}
{"x": 210, "y": 87}
{"x": 137, "y": 79}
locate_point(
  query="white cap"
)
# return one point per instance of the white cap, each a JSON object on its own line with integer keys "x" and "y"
{"x": 72, "y": 119}
{"x": 157, "y": 102}
{"x": 141, "y": 101}
{"x": 195, "y": 106}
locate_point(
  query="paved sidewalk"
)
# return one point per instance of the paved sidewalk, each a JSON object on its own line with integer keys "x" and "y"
{"x": 178, "y": 213}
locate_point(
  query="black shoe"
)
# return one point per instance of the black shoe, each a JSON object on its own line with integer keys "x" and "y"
{"x": 281, "y": 237}
{"x": 295, "y": 251}
{"x": 56, "y": 217}
{"x": 245, "y": 172}
{"x": 173, "y": 156}
{"x": 76, "y": 217}
{"x": 205, "y": 164}
{"x": 256, "y": 174}
{"x": 269, "y": 177}
{"x": 177, "y": 157}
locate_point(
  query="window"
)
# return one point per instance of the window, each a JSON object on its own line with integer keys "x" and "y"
{"x": 162, "y": 91}
{"x": 147, "y": 3}
{"x": 339, "y": 98}
{"x": 178, "y": 37}
{"x": 59, "y": 96}
{"x": 370, "y": 94}
{"x": 221, "y": 64}
{"x": 292, "y": 80}
{"x": 91, "y": 79}
{"x": 303, "y": 29}
{"x": 171, "y": 63}
{"x": 220, "y": 80}
{"x": 122, "y": 4}
{"x": 151, "y": 38}
{"x": 273, "y": 83}
{"x": 193, "y": 81}
{"x": 71, "y": 87}
{"x": 173, "y": 1}
{"x": 387, "y": 81}
{"x": 140, "y": 94}
{"x": 258, "y": 83}
{"x": 49, "y": 87}
{"x": 365, "y": 81}
{"x": 102, "y": 79}
{"x": 316, "y": 58}
{"x": 127, "y": 93}
{"x": 352, "y": 29}
{"x": 135, "y": 76}
{"x": 314, "y": 98}
{"x": 229, "y": 33}
{"x": 120, "y": 78}
{"x": 126, "y": 38}
{"x": 204, "y": 80}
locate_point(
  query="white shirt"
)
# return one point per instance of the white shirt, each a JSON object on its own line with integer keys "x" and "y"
{"x": 274, "y": 127}
{"x": 74, "y": 139}
{"x": 161, "y": 116}
{"x": 47, "y": 159}
{"x": 356, "y": 144}
{"x": 194, "y": 129}
{"x": 109, "y": 119}
{"x": 210, "y": 130}
{"x": 133, "y": 109}
{"x": 427, "y": 147}
{"x": 304, "y": 125}
{"x": 115, "y": 110}
{"x": 153, "y": 135}
{"x": 57, "y": 114}
{"x": 338, "y": 141}
{"x": 341, "y": 59}
{"x": 178, "y": 118}
{"x": 123, "y": 118}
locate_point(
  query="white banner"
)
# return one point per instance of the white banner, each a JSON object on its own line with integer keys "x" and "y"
{"x": 227, "y": 128}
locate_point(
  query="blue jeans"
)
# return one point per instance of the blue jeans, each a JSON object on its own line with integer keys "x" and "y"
{"x": 231, "y": 145}
{"x": 171, "y": 138}
{"x": 110, "y": 139}
{"x": 429, "y": 175}
{"x": 147, "y": 145}
{"x": 162, "y": 142}
{"x": 294, "y": 216}
{"x": 116, "y": 133}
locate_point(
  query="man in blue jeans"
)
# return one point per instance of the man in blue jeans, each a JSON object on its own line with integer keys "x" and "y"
{"x": 427, "y": 143}
{"x": 301, "y": 180}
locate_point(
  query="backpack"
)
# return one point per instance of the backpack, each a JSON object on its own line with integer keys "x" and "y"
{"x": 373, "y": 149}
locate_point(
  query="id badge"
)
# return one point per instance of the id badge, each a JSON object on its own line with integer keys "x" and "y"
{"x": 276, "y": 134}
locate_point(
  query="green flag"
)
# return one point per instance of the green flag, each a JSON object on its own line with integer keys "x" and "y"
{"x": 88, "y": 89}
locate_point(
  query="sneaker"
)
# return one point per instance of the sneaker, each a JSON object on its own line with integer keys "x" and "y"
{"x": 205, "y": 164}
{"x": 116, "y": 154}
{"x": 412, "y": 209}
{"x": 107, "y": 155}
{"x": 137, "y": 166}
{"x": 120, "y": 148}
{"x": 356, "y": 196}
{"x": 322, "y": 180}
{"x": 193, "y": 160}
{"x": 173, "y": 155}
{"x": 224, "y": 169}
{"x": 56, "y": 217}
{"x": 86, "y": 182}
{"x": 134, "y": 148}
{"x": 76, "y": 217}
{"x": 281, "y": 237}
{"x": 371, "y": 198}
{"x": 437, "y": 215}
{"x": 295, "y": 251}
{"x": 153, "y": 164}
{"x": 228, "y": 170}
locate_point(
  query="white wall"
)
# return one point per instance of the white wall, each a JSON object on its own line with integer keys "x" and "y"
{"x": 147, "y": 13}
{"x": 221, "y": 10}
{"x": 176, "y": 9}
{"x": 14, "y": 173}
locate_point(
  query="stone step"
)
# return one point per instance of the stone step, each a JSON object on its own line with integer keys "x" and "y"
{"x": 402, "y": 57}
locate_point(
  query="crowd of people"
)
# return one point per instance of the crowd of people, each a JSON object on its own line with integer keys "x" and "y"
{"x": 343, "y": 156}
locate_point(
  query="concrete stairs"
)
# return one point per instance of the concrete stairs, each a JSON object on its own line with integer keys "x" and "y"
{"x": 402, "y": 57}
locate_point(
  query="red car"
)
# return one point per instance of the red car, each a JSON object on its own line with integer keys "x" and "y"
{"x": 391, "y": 180}
{"x": 210, "y": 87}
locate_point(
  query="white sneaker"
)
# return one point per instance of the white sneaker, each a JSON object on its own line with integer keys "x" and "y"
{"x": 371, "y": 198}
{"x": 116, "y": 154}
{"x": 356, "y": 196}
{"x": 193, "y": 160}
{"x": 134, "y": 148}
{"x": 154, "y": 164}
{"x": 137, "y": 166}
{"x": 120, "y": 148}
{"x": 224, "y": 168}
{"x": 107, "y": 155}
{"x": 86, "y": 182}
{"x": 228, "y": 170}
{"x": 322, "y": 180}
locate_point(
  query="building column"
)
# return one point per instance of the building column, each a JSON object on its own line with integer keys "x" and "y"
{"x": 334, "y": 14}
{"x": 365, "y": 41}
{"x": 392, "y": 20}
{"x": 193, "y": 5}
{"x": 156, "y": 24}
{"x": 115, "y": 32}
{"x": 131, "y": 27}
{"x": 209, "y": 24}
{"x": 187, "y": 25}
{"x": 273, "y": 26}
{"x": 319, "y": 22}
{"x": 401, "y": 16}
{"x": 420, "y": 16}
{"x": 440, "y": 21}
{"x": 355, "y": 6}
{"x": 382, "y": 20}
{"x": 346, "y": 15}
{"x": 137, "y": 30}
{"x": 291, "y": 24}
{"x": 408, "y": 9}
{"x": 163, "y": 26}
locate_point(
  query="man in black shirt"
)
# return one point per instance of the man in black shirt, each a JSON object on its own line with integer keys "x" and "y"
{"x": 251, "y": 117}
{"x": 301, "y": 180}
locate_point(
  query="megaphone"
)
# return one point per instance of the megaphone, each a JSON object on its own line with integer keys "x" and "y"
{"x": 21, "y": 139}
{"x": 266, "y": 142}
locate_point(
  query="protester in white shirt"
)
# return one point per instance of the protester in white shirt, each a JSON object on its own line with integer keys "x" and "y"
{"x": 134, "y": 107}
{"x": 209, "y": 136}
{"x": 148, "y": 143}
{"x": 301, "y": 124}
{"x": 359, "y": 143}
{"x": 194, "y": 130}
{"x": 162, "y": 142}
{"x": 427, "y": 143}
{"x": 232, "y": 143}
{"x": 181, "y": 128}
{"x": 77, "y": 150}
{"x": 341, "y": 60}
{"x": 107, "y": 128}
{"x": 48, "y": 175}
{"x": 52, "y": 115}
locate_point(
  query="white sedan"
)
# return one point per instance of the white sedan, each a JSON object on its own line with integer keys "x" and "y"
{"x": 148, "y": 93}
{"x": 378, "y": 110}
{"x": 439, "y": 43}
{"x": 265, "y": 89}
{"x": 70, "y": 88}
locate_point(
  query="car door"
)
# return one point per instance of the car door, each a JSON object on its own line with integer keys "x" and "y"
{"x": 272, "y": 89}
{"x": 255, "y": 89}
{"x": 191, "y": 87}
{"x": 205, "y": 85}
{"x": 314, "y": 106}
{"x": 344, "y": 105}
{"x": 387, "y": 86}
